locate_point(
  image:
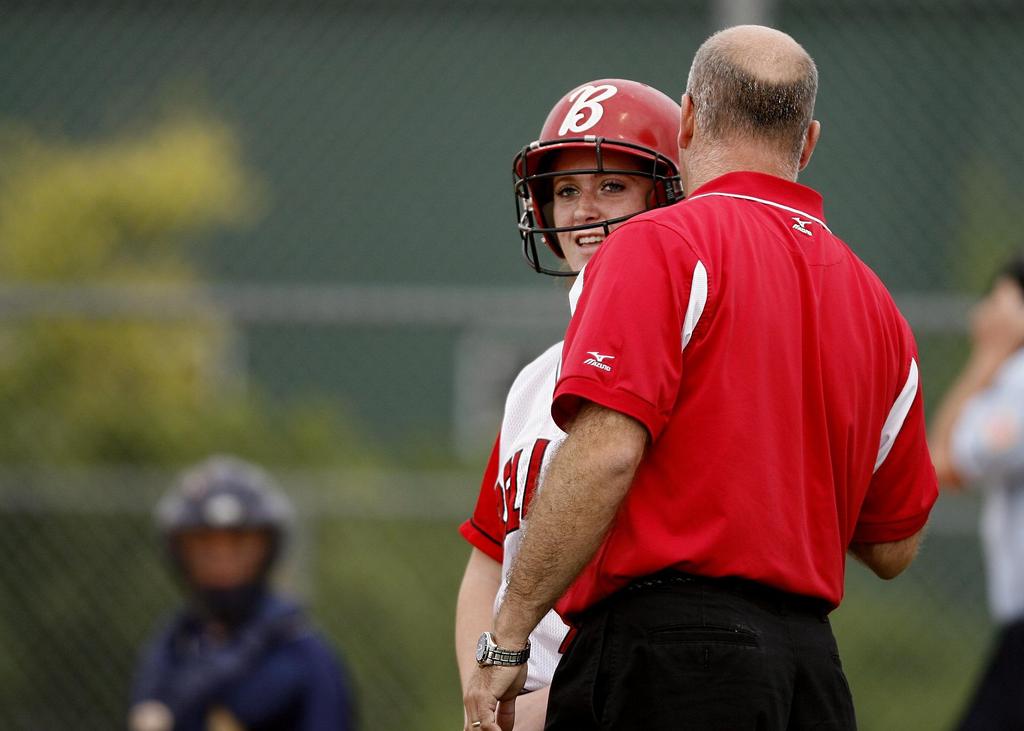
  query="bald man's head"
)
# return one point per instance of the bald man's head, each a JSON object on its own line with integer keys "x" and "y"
{"x": 755, "y": 82}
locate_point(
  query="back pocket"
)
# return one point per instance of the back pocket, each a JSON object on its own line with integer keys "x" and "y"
{"x": 683, "y": 634}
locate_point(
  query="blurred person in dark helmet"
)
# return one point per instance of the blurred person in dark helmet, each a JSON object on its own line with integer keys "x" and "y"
{"x": 977, "y": 440}
{"x": 238, "y": 656}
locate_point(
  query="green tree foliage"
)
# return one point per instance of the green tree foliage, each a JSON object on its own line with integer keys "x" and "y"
{"x": 123, "y": 212}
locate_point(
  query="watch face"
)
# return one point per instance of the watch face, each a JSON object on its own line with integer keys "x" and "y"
{"x": 481, "y": 647}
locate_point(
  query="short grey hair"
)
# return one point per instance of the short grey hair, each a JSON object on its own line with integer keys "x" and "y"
{"x": 734, "y": 91}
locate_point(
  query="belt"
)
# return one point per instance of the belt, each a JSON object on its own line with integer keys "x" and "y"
{"x": 749, "y": 589}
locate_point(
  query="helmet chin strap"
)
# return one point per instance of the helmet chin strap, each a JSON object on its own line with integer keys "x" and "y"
{"x": 230, "y": 606}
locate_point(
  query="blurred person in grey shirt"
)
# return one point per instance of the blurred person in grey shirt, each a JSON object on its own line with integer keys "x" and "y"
{"x": 978, "y": 440}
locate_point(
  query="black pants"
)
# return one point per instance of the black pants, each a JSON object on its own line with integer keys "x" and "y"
{"x": 675, "y": 651}
{"x": 998, "y": 703}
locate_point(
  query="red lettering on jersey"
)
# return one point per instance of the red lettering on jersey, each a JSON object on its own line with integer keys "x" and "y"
{"x": 509, "y": 485}
{"x": 499, "y": 500}
{"x": 533, "y": 472}
{"x": 511, "y": 480}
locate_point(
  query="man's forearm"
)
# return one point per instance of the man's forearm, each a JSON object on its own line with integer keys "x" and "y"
{"x": 584, "y": 486}
{"x": 888, "y": 560}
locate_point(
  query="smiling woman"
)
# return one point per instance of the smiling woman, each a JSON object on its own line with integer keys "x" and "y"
{"x": 606, "y": 152}
{"x": 604, "y": 134}
{"x": 595, "y": 198}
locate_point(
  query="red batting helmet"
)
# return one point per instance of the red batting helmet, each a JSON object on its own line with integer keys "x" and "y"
{"x": 607, "y": 114}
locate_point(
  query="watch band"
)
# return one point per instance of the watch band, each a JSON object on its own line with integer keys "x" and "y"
{"x": 489, "y": 653}
{"x": 501, "y": 656}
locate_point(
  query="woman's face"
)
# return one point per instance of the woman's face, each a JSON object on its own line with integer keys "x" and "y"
{"x": 580, "y": 199}
{"x": 223, "y": 559}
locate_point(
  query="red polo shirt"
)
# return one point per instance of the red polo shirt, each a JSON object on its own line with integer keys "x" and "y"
{"x": 778, "y": 382}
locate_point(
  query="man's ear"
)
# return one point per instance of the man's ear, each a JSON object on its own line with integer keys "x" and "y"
{"x": 686, "y": 122}
{"x": 810, "y": 142}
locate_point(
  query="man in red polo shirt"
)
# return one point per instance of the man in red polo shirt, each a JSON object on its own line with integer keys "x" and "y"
{"x": 743, "y": 408}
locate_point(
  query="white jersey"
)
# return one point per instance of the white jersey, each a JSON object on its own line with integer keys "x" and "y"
{"x": 988, "y": 449}
{"x": 527, "y": 440}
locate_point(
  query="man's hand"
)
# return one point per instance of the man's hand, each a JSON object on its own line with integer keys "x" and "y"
{"x": 490, "y": 699}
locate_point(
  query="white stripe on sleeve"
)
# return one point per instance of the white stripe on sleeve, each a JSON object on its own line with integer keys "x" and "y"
{"x": 576, "y": 291}
{"x": 698, "y": 298}
{"x": 897, "y": 415}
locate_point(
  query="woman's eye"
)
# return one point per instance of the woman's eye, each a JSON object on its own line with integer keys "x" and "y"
{"x": 566, "y": 191}
{"x": 613, "y": 186}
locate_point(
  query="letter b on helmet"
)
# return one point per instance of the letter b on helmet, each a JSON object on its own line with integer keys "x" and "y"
{"x": 586, "y": 110}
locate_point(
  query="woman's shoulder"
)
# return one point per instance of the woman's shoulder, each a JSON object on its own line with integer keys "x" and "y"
{"x": 540, "y": 367}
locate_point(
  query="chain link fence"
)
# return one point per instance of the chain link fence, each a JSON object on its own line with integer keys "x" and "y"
{"x": 286, "y": 229}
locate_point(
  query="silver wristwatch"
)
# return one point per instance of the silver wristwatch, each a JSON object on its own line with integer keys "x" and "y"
{"x": 488, "y": 653}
